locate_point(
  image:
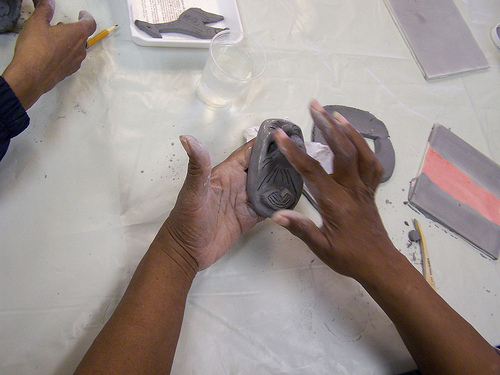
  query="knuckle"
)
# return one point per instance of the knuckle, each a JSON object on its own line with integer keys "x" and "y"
{"x": 310, "y": 167}
{"x": 347, "y": 157}
{"x": 377, "y": 166}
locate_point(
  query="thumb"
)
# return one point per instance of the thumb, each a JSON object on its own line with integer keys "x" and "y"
{"x": 302, "y": 227}
{"x": 199, "y": 167}
{"x": 44, "y": 11}
{"x": 86, "y": 19}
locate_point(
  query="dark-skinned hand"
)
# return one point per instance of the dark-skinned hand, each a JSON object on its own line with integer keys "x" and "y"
{"x": 352, "y": 239}
{"x": 212, "y": 210}
{"x": 44, "y": 55}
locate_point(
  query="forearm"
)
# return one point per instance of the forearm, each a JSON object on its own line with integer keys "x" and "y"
{"x": 439, "y": 339}
{"x": 142, "y": 334}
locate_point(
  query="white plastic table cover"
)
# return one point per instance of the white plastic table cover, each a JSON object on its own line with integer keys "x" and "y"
{"x": 85, "y": 188}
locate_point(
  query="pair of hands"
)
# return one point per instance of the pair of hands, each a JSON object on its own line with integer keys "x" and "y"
{"x": 44, "y": 55}
{"x": 212, "y": 209}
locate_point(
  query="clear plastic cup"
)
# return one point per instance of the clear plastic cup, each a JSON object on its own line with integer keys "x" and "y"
{"x": 235, "y": 59}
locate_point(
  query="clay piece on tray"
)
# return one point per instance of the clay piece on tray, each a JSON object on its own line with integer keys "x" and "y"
{"x": 370, "y": 127}
{"x": 272, "y": 183}
{"x": 10, "y": 10}
{"x": 191, "y": 22}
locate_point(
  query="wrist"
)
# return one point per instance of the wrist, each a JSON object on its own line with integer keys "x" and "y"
{"x": 20, "y": 83}
{"x": 393, "y": 279}
{"x": 390, "y": 266}
{"x": 167, "y": 242}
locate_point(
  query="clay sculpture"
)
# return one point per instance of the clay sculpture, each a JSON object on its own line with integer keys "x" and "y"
{"x": 272, "y": 183}
{"x": 10, "y": 10}
{"x": 370, "y": 127}
{"x": 191, "y": 22}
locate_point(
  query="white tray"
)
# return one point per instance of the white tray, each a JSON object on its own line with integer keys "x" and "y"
{"x": 159, "y": 11}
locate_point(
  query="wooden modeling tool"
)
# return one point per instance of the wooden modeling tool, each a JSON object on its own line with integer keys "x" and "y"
{"x": 100, "y": 36}
{"x": 426, "y": 262}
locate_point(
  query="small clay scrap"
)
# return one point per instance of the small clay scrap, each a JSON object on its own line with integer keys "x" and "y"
{"x": 414, "y": 236}
{"x": 370, "y": 127}
{"x": 191, "y": 22}
{"x": 272, "y": 183}
{"x": 10, "y": 10}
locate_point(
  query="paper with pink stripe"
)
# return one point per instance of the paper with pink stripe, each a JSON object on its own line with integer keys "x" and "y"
{"x": 459, "y": 185}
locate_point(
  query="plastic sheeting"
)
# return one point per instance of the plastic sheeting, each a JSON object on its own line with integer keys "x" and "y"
{"x": 84, "y": 190}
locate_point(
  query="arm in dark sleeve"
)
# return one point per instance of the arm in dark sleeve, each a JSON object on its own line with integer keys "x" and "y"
{"x": 13, "y": 117}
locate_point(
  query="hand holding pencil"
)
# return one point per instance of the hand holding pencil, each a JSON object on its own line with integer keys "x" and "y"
{"x": 99, "y": 36}
{"x": 44, "y": 54}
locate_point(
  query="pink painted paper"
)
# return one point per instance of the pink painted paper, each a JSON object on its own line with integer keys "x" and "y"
{"x": 459, "y": 185}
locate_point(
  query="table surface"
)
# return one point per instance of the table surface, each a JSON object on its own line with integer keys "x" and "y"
{"x": 85, "y": 188}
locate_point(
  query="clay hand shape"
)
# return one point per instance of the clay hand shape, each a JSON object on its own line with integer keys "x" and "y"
{"x": 212, "y": 209}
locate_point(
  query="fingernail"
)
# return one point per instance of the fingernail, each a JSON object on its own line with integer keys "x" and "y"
{"x": 279, "y": 219}
{"x": 248, "y": 152}
{"x": 84, "y": 14}
{"x": 280, "y": 134}
{"x": 320, "y": 119}
{"x": 185, "y": 143}
{"x": 341, "y": 119}
{"x": 316, "y": 106}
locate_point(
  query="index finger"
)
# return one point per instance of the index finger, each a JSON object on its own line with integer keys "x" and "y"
{"x": 370, "y": 168}
{"x": 345, "y": 161}
{"x": 44, "y": 11}
{"x": 317, "y": 180}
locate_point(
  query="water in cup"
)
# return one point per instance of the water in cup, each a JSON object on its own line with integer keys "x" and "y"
{"x": 223, "y": 78}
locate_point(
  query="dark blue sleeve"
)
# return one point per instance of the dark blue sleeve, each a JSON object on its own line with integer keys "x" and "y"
{"x": 13, "y": 117}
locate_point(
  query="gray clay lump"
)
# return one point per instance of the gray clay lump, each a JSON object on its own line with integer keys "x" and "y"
{"x": 272, "y": 183}
{"x": 10, "y": 10}
{"x": 370, "y": 127}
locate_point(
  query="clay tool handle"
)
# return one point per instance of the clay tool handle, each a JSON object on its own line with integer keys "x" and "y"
{"x": 100, "y": 36}
{"x": 426, "y": 262}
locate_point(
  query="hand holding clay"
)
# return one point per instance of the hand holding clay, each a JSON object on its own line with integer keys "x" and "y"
{"x": 44, "y": 54}
{"x": 352, "y": 239}
{"x": 212, "y": 209}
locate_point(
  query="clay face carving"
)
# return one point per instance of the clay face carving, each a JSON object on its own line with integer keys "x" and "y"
{"x": 370, "y": 127}
{"x": 272, "y": 183}
{"x": 10, "y": 10}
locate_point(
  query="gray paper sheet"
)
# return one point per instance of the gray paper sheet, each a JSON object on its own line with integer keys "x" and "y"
{"x": 438, "y": 37}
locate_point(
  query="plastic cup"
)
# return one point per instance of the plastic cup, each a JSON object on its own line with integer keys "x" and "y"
{"x": 235, "y": 59}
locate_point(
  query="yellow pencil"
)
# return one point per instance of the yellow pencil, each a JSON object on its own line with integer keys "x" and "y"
{"x": 99, "y": 36}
